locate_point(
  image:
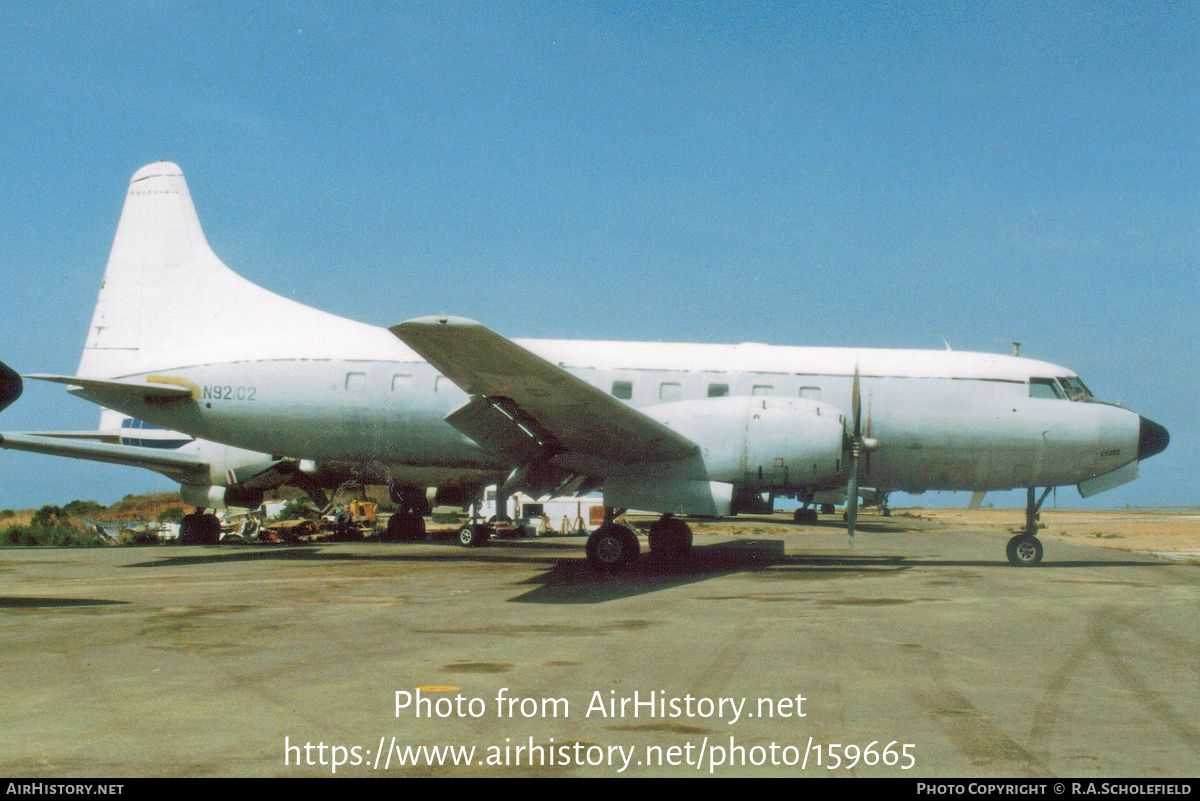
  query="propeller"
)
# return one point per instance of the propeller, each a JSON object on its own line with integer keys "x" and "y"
{"x": 855, "y": 452}
{"x": 858, "y": 444}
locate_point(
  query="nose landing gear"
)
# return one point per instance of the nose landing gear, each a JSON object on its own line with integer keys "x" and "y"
{"x": 1025, "y": 549}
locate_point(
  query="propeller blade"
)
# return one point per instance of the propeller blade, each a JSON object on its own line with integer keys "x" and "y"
{"x": 855, "y": 451}
{"x": 852, "y": 498}
{"x": 856, "y": 404}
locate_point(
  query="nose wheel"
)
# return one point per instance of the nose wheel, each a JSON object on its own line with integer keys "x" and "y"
{"x": 1024, "y": 550}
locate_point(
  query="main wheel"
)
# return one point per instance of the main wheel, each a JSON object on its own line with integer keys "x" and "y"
{"x": 805, "y": 516}
{"x": 670, "y": 540}
{"x": 210, "y": 530}
{"x": 612, "y": 547}
{"x": 1024, "y": 550}
{"x": 187, "y": 529}
{"x": 405, "y": 527}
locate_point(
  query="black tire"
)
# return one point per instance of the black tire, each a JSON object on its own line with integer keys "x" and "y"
{"x": 612, "y": 547}
{"x": 404, "y": 527}
{"x": 670, "y": 541}
{"x": 187, "y": 529}
{"x": 805, "y": 516}
{"x": 1024, "y": 550}
{"x": 473, "y": 535}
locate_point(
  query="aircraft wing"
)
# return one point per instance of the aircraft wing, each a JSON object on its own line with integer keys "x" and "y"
{"x": 522, "y": 403}
{"x": 180, "y": 466}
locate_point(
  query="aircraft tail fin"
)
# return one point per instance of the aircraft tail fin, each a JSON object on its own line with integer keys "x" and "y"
{"x": 166, "y": 294}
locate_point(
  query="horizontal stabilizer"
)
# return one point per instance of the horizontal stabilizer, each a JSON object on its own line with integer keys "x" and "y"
{"x": 119, "y": 392}
{"x": 113, "y": 437}
{"x": 176, "y": 465}
{"x": 10, "y": 386}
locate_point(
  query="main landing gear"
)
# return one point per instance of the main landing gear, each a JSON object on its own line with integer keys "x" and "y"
{"x": 408, "y": 523}
{"x": 1025, "y": 549}
{"x": 612, "y": 547}
{"x": 670, "y": 541}
{"x": 199, "y": 528}
{"x": 805, "y": 515}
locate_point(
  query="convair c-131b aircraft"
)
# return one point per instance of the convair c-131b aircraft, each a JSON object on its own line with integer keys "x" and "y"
{"x": 275, "y": 392}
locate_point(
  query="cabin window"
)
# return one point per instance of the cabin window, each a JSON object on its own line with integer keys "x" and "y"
{"x": 669, "y": 391}
{"x": 401, "y": 382}
{"x": 356, "y": 382}
{"x": 718, "y": 390}
{"x": 812, "y": 393}
{"x": 763, "y": 389}
{"x": 622, "y": 389}
{"x": 1044, "y": 388}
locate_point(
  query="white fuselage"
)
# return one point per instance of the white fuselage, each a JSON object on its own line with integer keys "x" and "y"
{"x": 946, "y": 420}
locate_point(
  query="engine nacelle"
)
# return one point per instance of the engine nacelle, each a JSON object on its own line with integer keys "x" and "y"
{"x": 766, "y": 442}
{"x": 214, "y": 497}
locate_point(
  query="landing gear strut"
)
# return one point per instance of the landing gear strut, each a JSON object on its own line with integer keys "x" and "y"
{"x": 1025, "y": 549}
{"x": 612, "y": 546}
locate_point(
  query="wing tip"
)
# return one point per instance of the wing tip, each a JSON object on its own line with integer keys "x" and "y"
{"x": 435, "y": 321}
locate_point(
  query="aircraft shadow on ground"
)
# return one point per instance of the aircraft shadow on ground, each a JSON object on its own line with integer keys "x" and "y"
{"x": 569, "y": 579}
{"x": 33, "y": 602}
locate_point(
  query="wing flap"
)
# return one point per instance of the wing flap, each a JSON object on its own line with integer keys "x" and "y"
{"x": 567, "y": 413}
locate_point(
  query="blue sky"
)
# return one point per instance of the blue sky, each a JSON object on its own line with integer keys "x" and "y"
{"x": 858, "y": 174}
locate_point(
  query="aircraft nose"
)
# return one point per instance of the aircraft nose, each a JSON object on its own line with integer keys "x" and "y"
{"x": 1152, "y": 439}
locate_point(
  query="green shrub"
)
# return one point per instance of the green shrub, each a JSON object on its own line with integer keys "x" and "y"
{"x": 50, "y": 517}
{"x": 173, "y": 515}
{"x": 41, "y": 534}
{"x": 83, "y": 508}
{"x": 296, "y": 509}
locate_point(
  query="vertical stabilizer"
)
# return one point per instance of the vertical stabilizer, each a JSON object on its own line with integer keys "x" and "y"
{"x": 167, "y": 297}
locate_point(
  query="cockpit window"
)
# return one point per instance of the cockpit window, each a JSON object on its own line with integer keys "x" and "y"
{"x": 1075, "y": 388}
{"x": 1044, "y": 388}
